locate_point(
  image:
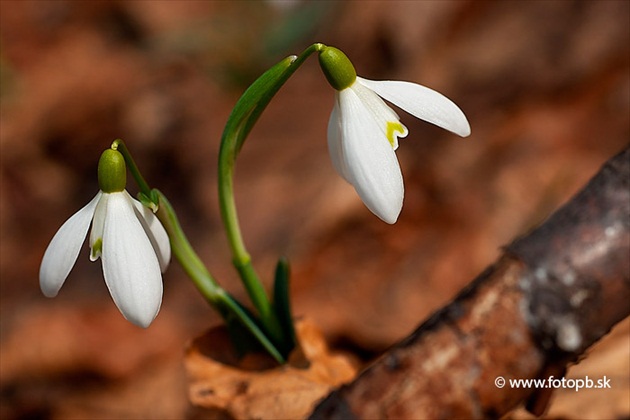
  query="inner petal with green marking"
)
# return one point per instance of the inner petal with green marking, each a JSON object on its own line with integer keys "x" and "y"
{"x": 394, "y": 127}
{"x": 97, "y": 249}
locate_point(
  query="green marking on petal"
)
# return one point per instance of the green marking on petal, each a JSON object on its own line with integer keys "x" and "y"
{"x": 394, "y": 127}
{"x": 97, "y": 249}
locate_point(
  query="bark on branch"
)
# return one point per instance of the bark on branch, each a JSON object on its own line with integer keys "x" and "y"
{"x": 550, "y": 296}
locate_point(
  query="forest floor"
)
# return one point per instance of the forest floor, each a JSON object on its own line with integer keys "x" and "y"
{"x": 545, "y": 87}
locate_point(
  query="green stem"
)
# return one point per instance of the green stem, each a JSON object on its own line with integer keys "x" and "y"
{"x": 185, "y": 254}
{"x": 207, "y": 285}
{"x": 245, "y": 114}
{"x": 214, "y": 294}
{"x": 119, "y": 145}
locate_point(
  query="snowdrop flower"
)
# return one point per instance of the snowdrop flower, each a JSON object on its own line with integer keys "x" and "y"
{"x": 363, "y": 130}
{"x": 129, "y": 239}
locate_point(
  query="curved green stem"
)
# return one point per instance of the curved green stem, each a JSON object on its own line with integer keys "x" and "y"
{"x": 214, "y": 294}
{"x": 120, "y": 145}
{"x": 185, "y": 254}
{"x": 241, "y": 121}
{"x": 207, "y": 285}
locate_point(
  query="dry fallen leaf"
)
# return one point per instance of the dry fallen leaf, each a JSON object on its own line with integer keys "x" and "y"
{"x": 253, "y": 387}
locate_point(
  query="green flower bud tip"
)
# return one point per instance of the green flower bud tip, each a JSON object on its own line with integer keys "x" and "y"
{"x": 337, "y": 68}
{"x": 112, "y": 172}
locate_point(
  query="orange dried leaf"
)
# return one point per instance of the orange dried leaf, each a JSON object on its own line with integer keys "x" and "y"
{"x": 255, "y": 387}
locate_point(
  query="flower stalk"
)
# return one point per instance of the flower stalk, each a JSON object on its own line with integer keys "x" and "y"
{"x": 241, "y": 121}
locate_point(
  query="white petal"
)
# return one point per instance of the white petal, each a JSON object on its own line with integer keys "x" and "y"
{"x": 155, "y": 231}
{"x": 421, "y": 102}
{"x": 371, "y": 162}
{"x": 64, "y": 248}
{"x": 334, "y": 141}
{"x": 98, "y": 222}
{"x": 130, "y": 265}
{"x": 387, "y": 119}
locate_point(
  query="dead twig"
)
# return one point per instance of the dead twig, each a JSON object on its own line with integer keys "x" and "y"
{"x": 550, "y": 296}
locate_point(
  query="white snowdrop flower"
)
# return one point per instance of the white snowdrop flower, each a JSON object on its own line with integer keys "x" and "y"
{"x": 133, "y": 246}
{"x": 363, "y": 130}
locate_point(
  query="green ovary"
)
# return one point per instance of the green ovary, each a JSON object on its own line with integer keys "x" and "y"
{"x": 112, "y": 175}
{"x": 337, "y": 68}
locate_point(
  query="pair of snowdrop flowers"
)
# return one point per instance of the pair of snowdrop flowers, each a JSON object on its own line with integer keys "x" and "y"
{"x": 363, "y": 135}
{"x": 130, "y": 241}
{"x": 363, "y": 130}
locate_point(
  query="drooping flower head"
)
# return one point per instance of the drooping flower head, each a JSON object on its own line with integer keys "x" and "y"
{"x": 363, "y": 131}
{"x": 130, "y": 241}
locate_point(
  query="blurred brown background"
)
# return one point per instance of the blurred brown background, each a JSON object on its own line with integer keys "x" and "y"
{"x": 545, "y": 86}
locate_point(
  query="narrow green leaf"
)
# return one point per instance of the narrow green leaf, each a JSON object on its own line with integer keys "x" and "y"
{"x": 242, "y": 338}
{"x": 282, "y": 305}
{"x": 248, "y": 321}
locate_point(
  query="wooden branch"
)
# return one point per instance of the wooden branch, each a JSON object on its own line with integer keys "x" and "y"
{"x": 550, "y": 296}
